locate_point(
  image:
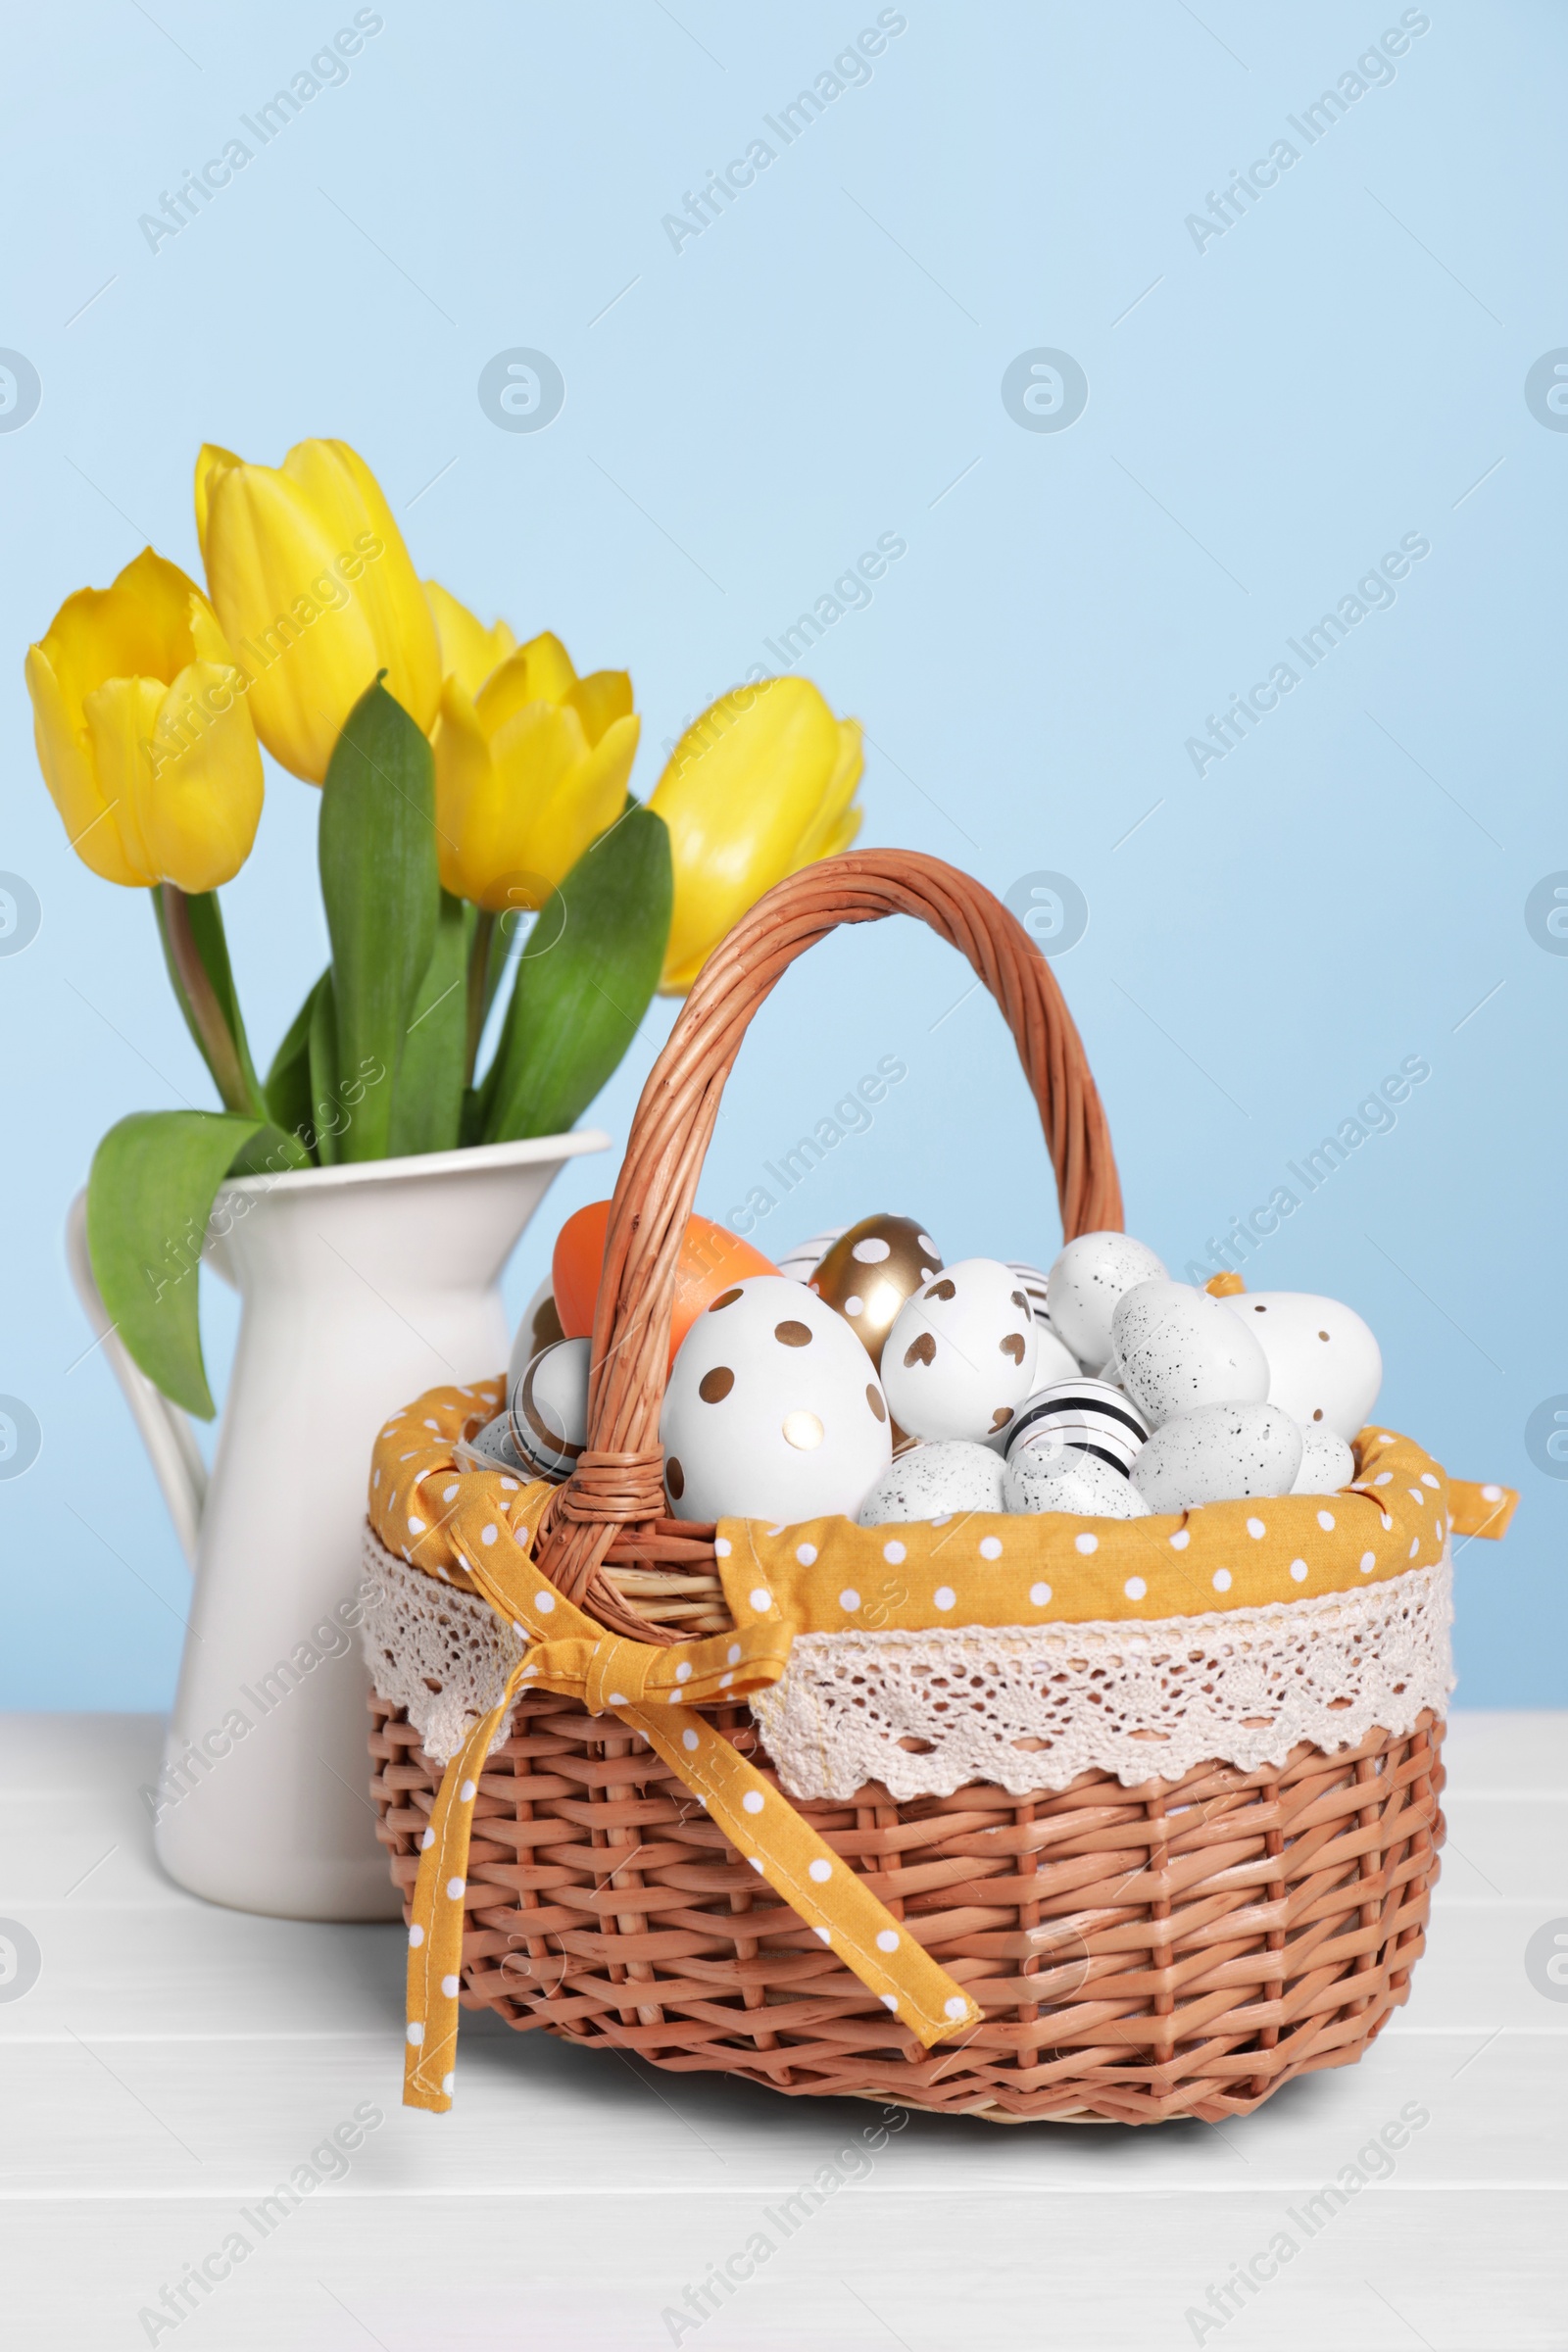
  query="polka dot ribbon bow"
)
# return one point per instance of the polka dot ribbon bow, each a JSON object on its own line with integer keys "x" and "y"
{"x": 651, "y": 1689}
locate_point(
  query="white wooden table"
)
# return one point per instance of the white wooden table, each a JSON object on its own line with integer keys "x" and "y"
{"x": 174, "y": 2063}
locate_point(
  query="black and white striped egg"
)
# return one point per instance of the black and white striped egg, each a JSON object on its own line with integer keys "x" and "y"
{"x": 773, "y": 1410}
{"x": 549, "y": 1408}
{"x": 1088, "y": 1416}
{"x": 960, "y": 1357}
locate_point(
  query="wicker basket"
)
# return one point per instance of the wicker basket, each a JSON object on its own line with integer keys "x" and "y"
{"x": 1182, "y": 1947}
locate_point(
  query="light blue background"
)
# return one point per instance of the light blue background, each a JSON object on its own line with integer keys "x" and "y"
{"x": 823, "y": 366}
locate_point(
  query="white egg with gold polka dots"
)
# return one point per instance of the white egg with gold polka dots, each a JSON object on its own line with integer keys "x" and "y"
{"x": 1215, "y": 1452}
{"x": 960, "y": 1357}
{"x": 1324, "y": 1365}
{"x": 773, "y": 1410}
{"x": 930, "y": 1482}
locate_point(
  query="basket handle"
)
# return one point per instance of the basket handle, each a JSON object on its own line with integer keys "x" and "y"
{"x": 619, "y": 1479}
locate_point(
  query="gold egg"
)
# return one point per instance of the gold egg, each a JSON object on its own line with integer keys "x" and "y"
{"x": 871, "y": 1270}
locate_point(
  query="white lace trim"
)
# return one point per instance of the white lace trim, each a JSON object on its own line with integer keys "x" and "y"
{"x": 440, "y": 1652}
{"x": 1024, "y": 1706}
{"x": 1031, "y": 1707}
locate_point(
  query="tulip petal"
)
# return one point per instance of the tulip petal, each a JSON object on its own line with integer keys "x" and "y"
{"x": 65, "y": 755}
{"x": 600, "y": 700}
{"x": 211, "y": 459}
{"x": 201, "y": 792}
{"x": 389, "y": 585}
{"x": 463, "y": 793}
{"x": 470, "y": 652}
{"x": 821, "y": 837}
{"x": 315, "y": 592}
{"x": 551, "y": 675}
{"x": 121, "y": 716}
{"x": 742, "y": 792}
{"x": 540, "y": 671}
{"x": 549, "y": 798}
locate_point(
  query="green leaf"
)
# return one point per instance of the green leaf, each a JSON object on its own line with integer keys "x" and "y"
{"x": 428, "y": 1106}
{"x": 270, "y": 1151}
{"x": 584, "y": 980}
{"x": 376, "y": 848}
{"x": 287, "y": 1092}
{"x": 328, "y": 1114}
{"x": 149, "y": 1196}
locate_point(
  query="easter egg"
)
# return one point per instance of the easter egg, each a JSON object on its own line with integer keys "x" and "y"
{"x": 1327, "y": 1462}
{"x": 1217, "y": 1452}
{"x": 772, "y": 1410}
{"x": 1072, "y": 1481}
{"x": 494, "y": 1443}
{"x": 712, "y": 1259}
{"x": 1176, "y": 1348}
{"x": 960, "y": 1357}
{"x": 1324, "y": 1365}
{"x": 935, "y": 1482}
{"x": 1084, "y": 1284}
{"x": 870, "y": 1270}
{"x": 540, "y": 1328}
{"x": 549, "y": 1408}
{"x": 1086, "y": 1416}
{"x": 800, "y": 1263}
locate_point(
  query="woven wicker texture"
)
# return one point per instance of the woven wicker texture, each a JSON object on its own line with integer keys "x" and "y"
{"x": 1179, "y": 1948}
{"x": 1140, "y": 1954}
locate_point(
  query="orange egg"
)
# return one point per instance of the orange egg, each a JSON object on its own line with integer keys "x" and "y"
{"x": 711, "y": 1257}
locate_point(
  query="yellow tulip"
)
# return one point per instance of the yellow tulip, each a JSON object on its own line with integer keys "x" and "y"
{"x": 316, "y": 593}
{"x": 143, "y": 733}
{"x": 528, "y": 771}
{"x": 757, "y": 787}
{"x": 470, "y": 651}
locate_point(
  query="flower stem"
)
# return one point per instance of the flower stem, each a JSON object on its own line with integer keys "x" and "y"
{"x": 479, "y": 975}
{"x": 202, "y": 1007}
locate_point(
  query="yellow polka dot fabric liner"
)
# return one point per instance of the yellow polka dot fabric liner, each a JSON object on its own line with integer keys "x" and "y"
{"x": 570, "y": 1655}
{"x": 1027, "y": 1568}
{"x": 477, "y": 1528}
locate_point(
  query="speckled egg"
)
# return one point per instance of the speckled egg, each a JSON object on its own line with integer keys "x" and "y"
{"x": 960, "y": 1358}
{"x": 869, "y": 1272}
{"x": 934, "y": 1482}
{"x": 801, "y": 1263}
{"x": 1084, "y": 1284}
{"x": 540, "y": 1328}
{"x": 772, "y": 1410}
{"x": 1217, "y": 1452}
{"x": 1072, "y": 1481}
{"x": 1324, "y": 1365}
{"x": 494, "y": 1445}
{"x": 549, "y": 1408}
{"x": 1089, "y": 1415}
{"x": 1177, "y": 1347}
{"x": 1327, "y": 1462}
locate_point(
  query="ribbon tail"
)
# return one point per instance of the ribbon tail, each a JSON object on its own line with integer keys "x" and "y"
{"x": 435, "y": 1939}
{"x": 834, "y": 1901}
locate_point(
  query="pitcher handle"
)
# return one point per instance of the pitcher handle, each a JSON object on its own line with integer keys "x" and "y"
{"x": 166, "y": 1430}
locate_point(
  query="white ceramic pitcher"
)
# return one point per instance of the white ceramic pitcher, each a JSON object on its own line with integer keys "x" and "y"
{"x": 362, "y": 1286}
